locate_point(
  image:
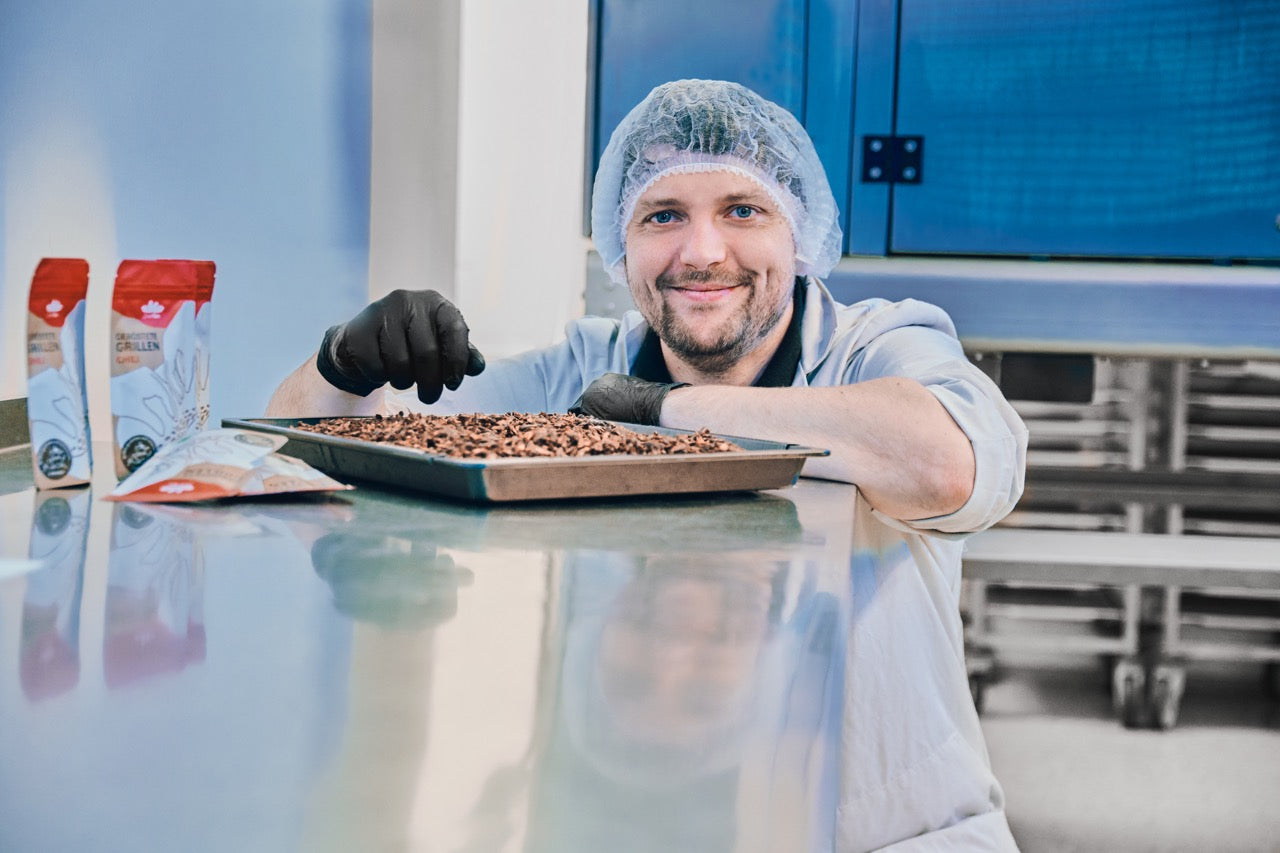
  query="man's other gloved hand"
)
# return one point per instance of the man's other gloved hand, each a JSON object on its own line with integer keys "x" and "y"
{"x": 619, "y": 397}
{"x": 407, "y": 337}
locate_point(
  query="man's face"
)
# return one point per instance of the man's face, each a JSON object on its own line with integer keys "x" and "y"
{"x": 711, "y": 265}
{"x": 679, "y": 657}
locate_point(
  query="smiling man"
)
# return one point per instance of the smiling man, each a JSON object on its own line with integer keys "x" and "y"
{"x": 711, "y": 206}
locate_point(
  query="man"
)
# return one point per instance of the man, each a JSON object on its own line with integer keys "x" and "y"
{"x": 710, "y": 203}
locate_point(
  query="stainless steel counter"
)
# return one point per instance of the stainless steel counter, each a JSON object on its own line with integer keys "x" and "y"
{"x": 377, "y": 671}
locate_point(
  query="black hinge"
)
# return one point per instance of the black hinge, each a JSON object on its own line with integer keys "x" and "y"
{"x": 892, "y": 159}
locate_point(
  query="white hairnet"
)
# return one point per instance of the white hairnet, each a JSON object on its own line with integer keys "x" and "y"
{"x": 714, "y": 125}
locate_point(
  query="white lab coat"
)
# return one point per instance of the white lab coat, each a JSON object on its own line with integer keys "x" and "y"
{"x": 916, "y": 776}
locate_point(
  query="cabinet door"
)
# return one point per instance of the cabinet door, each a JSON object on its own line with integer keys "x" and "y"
{"x": 1106, "y": 128}
{"x": 643, "y": 43}
{"x": 796, "y": 53}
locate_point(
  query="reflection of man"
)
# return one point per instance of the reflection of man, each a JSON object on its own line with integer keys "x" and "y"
{"x": 389, "y": 580}
{"x": 678, "y": 660}
{"x": 388, "y": 576}
{"x": 700, "y": 687}
{"x": 711, "y": 204}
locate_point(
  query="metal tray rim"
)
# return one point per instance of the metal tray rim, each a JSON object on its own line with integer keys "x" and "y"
{"x": 779, "y": 449}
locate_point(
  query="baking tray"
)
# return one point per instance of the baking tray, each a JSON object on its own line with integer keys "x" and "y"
{"x": 759, "y": 465}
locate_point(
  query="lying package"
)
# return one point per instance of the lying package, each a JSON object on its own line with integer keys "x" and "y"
{"x": 153, "y": 364}
{"x": 221, "y": 463}
{"x": 57, "y": 403}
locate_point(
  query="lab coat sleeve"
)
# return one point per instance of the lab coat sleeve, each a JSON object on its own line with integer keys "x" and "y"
{"x": 542, "y": 380}
{"x": 934, "y": 358}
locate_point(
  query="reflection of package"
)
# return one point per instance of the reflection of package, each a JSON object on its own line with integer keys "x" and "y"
{"x": 221, "y": 463}
{"x": 57, "y": 400}
{"x": 153, "y": 625}
{"x": 50, "y": 656}
{"x": 196, "y": 642}
{"x": 153, "y": 364}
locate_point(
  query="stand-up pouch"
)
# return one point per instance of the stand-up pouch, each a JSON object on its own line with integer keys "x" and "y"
{"x": 57, "y": 399}
{"x": 153, "y": 358}
{"x": 205, "y": 271}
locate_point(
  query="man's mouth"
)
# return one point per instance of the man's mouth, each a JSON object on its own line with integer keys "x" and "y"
{"x": 704, "y": 288}
{"x": 697, "y": 286}
{"x": 710, "y": 294}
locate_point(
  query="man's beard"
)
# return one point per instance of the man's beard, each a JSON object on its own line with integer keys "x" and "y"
{"x": 737, "y": 335}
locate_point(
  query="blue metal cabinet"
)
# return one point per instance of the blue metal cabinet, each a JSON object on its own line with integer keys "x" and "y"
{"x": 1140, "y": 128}
{"x": 1078, "y": 128}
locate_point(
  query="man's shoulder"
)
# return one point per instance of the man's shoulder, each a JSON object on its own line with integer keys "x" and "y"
{"x": 875, "y": 315}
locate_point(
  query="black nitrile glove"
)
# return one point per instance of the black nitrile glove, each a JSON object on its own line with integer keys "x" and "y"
{"x": 619, "y": 397}
{"x": 407, "y": 337}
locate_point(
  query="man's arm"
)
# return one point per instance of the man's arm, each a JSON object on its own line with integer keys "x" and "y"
{"x": 890, "y": 437}
{"x": 305, "y": 394}
{"x": 406, "y": 338}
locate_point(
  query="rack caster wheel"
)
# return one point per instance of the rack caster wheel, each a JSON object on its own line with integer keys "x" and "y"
{"x": 1129, "y": 693}
{"x": 1106, "y": 672}
{"x": 1167, "y": 685}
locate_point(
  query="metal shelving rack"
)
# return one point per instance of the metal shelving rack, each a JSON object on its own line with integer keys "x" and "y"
{"x": 1158, "y": 422}
{"x": 1225, "y": 417}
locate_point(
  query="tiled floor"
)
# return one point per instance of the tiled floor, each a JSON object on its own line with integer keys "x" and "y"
{"x": 1076, "y": 780}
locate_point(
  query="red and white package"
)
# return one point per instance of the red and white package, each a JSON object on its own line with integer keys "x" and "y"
{"x": 57, "y": 399}
{"x": 205, "y": 271}
{"x": 198, "y": 406}
{"x": 153, "y": 358}
{"x": 221, "y": 463}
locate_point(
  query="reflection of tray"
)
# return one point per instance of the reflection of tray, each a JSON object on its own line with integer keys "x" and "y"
{"x": 760, "y": 465}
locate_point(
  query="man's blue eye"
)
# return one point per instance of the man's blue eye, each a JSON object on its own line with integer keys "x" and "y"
{"x": 662, "y": 217}
{"x": 743, "y": 211}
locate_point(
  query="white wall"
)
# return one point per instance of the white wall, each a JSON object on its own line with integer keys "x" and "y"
{"x": 236, "y": 131}
{"x": 414, "y": 171}
{"x": 521, "y": 254}
{"x": 57, "y": 202}
{"x": 477, "y": 192}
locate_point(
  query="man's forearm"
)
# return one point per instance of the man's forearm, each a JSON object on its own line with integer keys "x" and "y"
{"x": 305, "y": 393}
{"x": 890, "y": 437}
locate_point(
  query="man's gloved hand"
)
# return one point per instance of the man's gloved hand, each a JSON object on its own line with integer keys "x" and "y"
{"x": 619, "y": 397}
{"x": 407, "y": 337}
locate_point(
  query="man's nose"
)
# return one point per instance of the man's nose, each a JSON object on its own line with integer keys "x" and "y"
{"x": 704, "y": 245}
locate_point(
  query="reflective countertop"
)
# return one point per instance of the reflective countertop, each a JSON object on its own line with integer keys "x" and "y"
{"x": 380, "y": 671}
